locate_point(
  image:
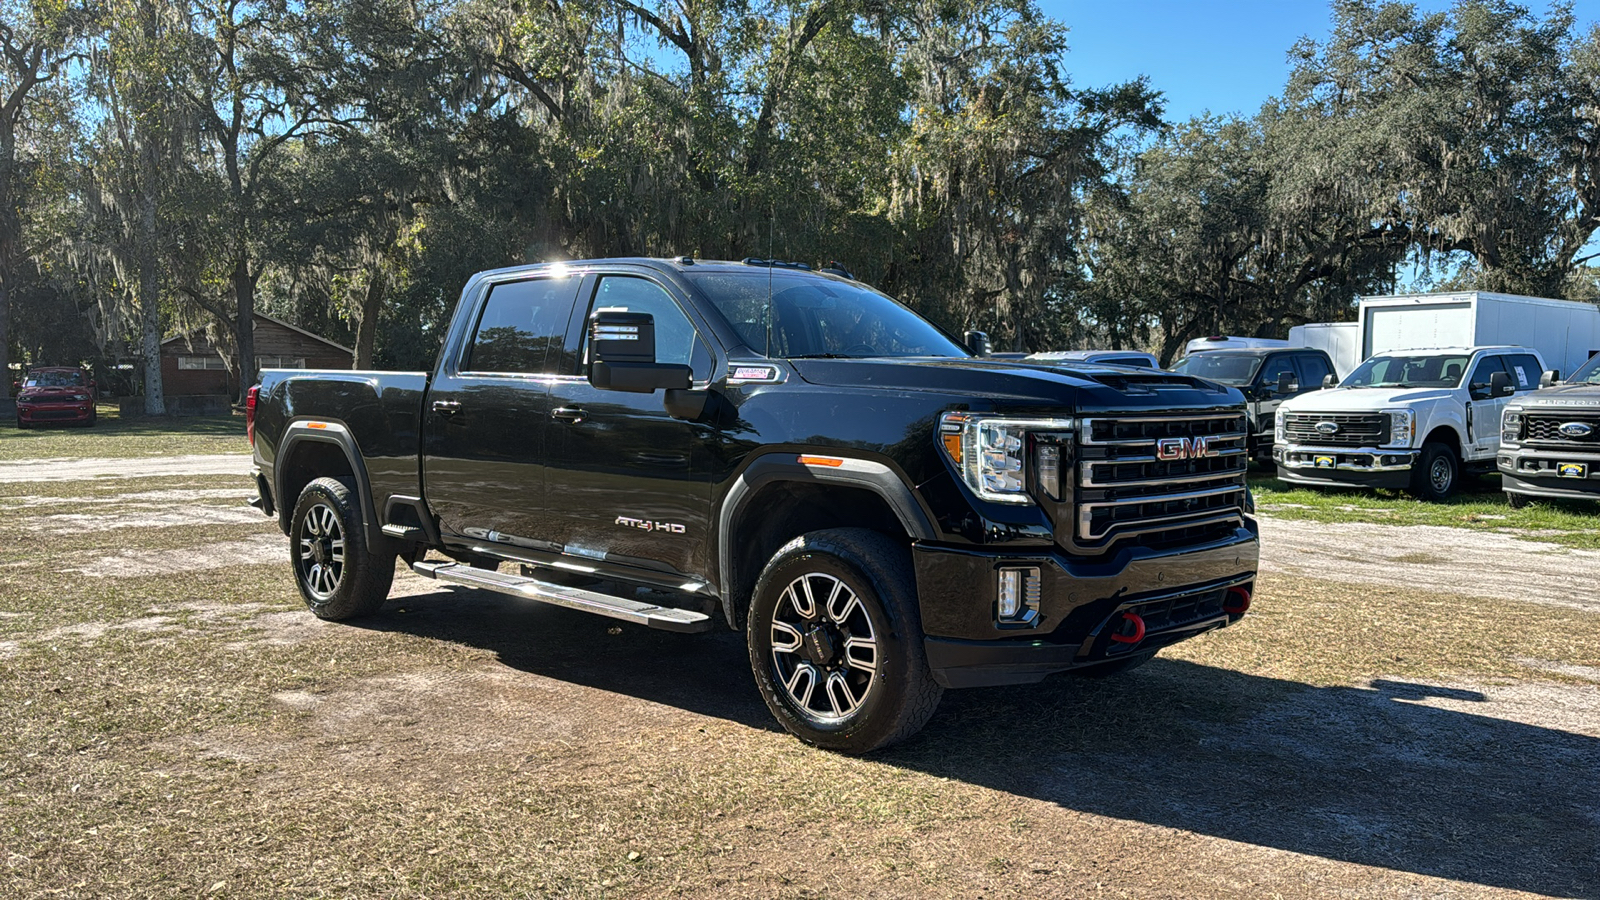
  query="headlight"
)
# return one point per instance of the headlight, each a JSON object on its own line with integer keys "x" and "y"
{"x": 1402, "y": 427}
{"x": 1511, "y": 425}
{"x": 991, "y": 452}
{"x": 1277, "y": 427}
{"x": 80, "y": 397}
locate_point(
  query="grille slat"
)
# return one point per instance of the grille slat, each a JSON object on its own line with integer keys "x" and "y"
{"x": 1546, "y": 429}
{"x": 1355, "y": 429}
{"x": 1126, "y": 491}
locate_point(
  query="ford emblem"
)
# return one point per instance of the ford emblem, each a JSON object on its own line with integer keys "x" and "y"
{"x": 1328, "y": 427}
{"x": 1576, "y": 429}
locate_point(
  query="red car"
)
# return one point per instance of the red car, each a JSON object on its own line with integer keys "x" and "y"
{"x": 56, "y": 394}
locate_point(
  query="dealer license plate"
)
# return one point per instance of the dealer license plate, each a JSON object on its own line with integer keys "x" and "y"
{"x": 1325, "y": 462}
{"x": 1572, "y": 470}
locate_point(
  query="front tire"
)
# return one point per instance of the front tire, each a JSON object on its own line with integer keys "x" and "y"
{"x": 1437, "y": 474}
{"x": 835, "y": 641}
{"x": 1518, "y": 501}
{"x": 339, "y": 577}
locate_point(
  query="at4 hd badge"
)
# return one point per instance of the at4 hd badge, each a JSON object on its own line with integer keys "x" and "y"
{"x": 651, "y": 525}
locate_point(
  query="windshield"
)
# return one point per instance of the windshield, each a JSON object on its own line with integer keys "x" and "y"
{"x": 1588, "y": 373}
{"x": 1228, "y": 368}
{"x": 54, "y": 379}
{"x": 819, "y": 317}
{"x": 1409, "y": 371}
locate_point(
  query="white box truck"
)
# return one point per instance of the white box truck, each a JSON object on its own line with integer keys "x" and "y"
{"x": 1565, "y": 332}
{"x": 1340, "y": 340}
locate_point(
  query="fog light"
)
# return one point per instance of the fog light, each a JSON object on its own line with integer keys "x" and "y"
{"x": 1018, "y": 595}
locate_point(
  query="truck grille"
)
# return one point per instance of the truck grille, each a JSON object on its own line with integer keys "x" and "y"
{"x": 1354, "y": 429}
{"x": 1160, "y": 480}
{"x": 1546, "y": 429}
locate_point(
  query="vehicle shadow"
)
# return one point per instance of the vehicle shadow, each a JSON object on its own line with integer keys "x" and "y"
{"x": 1396, "y": 775}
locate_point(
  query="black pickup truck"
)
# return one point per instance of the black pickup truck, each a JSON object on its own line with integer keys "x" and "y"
{"x": 1550, "y": 439}
{"x": 881, "y": 513}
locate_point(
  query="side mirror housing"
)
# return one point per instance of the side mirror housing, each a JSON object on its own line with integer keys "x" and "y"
{"x": 1550, "y": 377}
{"x": 1500, "y": 385}
{"x": 977, "y": 342}
{"x": 1329, "y": 381}
{"x": 622, "y": 355}
{"x": 1287, "y": 383}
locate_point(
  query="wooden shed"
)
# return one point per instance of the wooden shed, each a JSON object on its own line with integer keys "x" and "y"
{"x": 191, "y": 366}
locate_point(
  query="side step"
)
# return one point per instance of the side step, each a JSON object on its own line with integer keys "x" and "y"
{"x": 665, "y": 618}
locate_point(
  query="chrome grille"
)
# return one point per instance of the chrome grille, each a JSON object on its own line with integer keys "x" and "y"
{"x": 1546, "y": 429}
{"x": 1127, "y": 487}
{"x": 1354, "y": 429}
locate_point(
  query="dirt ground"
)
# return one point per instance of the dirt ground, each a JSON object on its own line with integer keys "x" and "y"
{"x": 1398, "y": 722}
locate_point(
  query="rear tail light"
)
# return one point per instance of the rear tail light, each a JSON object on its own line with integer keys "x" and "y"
{"x": 250, "y": 414}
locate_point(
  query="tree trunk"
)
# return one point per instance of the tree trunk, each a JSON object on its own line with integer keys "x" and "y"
{"x": 155, "y": 400}
{"x": 367, "y": 328}
{"x": 244, "y": 293}
{"x": 5, "y": 336}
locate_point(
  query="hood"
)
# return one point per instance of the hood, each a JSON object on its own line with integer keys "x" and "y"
{"x": 51, "y": 393}
{"x": 1577, "y": 397}
{"x": 1083, "y": 386}
{"x": 1357, "y": 400}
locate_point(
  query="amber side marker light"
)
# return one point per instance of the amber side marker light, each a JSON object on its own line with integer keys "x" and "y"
{"x": 316, "y": 424}
{"x": 831, "y": 462}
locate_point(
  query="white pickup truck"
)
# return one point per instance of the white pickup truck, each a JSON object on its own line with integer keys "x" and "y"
{"x": 1411, "y": 419}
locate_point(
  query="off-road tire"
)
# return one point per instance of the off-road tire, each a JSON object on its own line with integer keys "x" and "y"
{"x": 1428, "y": 480}
{"x": 901, "y": 694}
{"x": 1116, "y": 667}
{"x": 363, "y": 578}
{"x": 1518, "y": 501}
{"x": 21, "y": 425}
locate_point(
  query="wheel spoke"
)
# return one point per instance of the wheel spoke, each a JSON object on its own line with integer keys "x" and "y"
{"x": 861, "y": 654}
{"x": 842, "y": 603}
{"x": 810, "y": 611}
{"x": 305, "y": 548}
{"x": 785, "y": 637}
{"x": 805, "y": 671}
{"x": 839, "y": 696}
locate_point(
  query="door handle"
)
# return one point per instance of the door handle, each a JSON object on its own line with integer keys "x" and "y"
{"x": 447, "y": 407}
{"x": 573, "y": 414}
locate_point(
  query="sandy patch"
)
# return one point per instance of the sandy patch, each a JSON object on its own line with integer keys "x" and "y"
{"x": 142, "y": 467}
{"x": 268, "y": 548}
{"x": 1431, "y": 558}
{"x": 153, "y": 517}
{"x": 140, "y": 498}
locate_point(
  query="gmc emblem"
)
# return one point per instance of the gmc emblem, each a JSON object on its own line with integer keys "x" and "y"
{"x": 1169, "y": 449}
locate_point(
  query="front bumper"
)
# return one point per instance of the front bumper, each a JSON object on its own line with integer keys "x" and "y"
{"x": 1526, "y": 470}
{"x": 65, "y": 411}
{"x": 1344, "y": 466}
{"x": 1179, "y": 594}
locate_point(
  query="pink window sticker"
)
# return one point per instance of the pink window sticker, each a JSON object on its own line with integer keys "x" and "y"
{"x": 752, "y": 373}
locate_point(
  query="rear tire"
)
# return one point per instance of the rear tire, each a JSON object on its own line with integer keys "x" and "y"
{"x": 1437, "y": 474}
{"x": 835, "y": 641}
{"x": 339, "y": 577}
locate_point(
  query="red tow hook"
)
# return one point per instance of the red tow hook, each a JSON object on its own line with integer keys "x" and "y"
{"x": 1138, "y": 630}
{"x": 1238, "y": 600}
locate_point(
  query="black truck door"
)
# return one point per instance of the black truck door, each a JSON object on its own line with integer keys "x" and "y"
{"x": 629, "y": 484}
{"x": 487, "y": 410}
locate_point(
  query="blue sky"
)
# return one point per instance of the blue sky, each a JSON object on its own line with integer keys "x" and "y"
{"x": 1205, "y": 55}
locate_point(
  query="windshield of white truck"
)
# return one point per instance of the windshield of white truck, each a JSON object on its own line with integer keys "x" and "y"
{"x": 1229, "y": 368}
{"x": 1409, "y": 371}
{"x": 811, "y": 317}
{"x": 1588, "y": 373}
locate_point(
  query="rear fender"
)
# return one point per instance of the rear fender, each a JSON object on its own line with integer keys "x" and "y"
{"x": 301, "y": 432}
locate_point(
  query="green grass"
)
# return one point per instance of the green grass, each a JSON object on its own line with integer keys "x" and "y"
{"x": 114, "y": 436}
{"x": 1479, "y": 505}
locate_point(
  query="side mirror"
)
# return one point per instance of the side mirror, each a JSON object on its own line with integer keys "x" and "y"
{"x": 1329, "y": 381}
{"x": 1287, "y": 383}
{"x": 1551, "y": 376}
{"x": 977, "y": 342}
{"x": 1500, "y": 385}
{"x": 622, "y": 355}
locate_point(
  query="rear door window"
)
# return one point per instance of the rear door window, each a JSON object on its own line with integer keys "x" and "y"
{"x": 522, "y": 327}
{"x": 1525, "y": 371}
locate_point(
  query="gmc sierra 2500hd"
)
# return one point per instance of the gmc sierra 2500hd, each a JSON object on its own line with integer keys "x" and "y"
{"x": 882, "y": 514}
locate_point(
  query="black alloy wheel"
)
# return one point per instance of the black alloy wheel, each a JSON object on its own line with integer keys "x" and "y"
{"x": 836, "y": 641}
{"x": 338, "y": 576}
